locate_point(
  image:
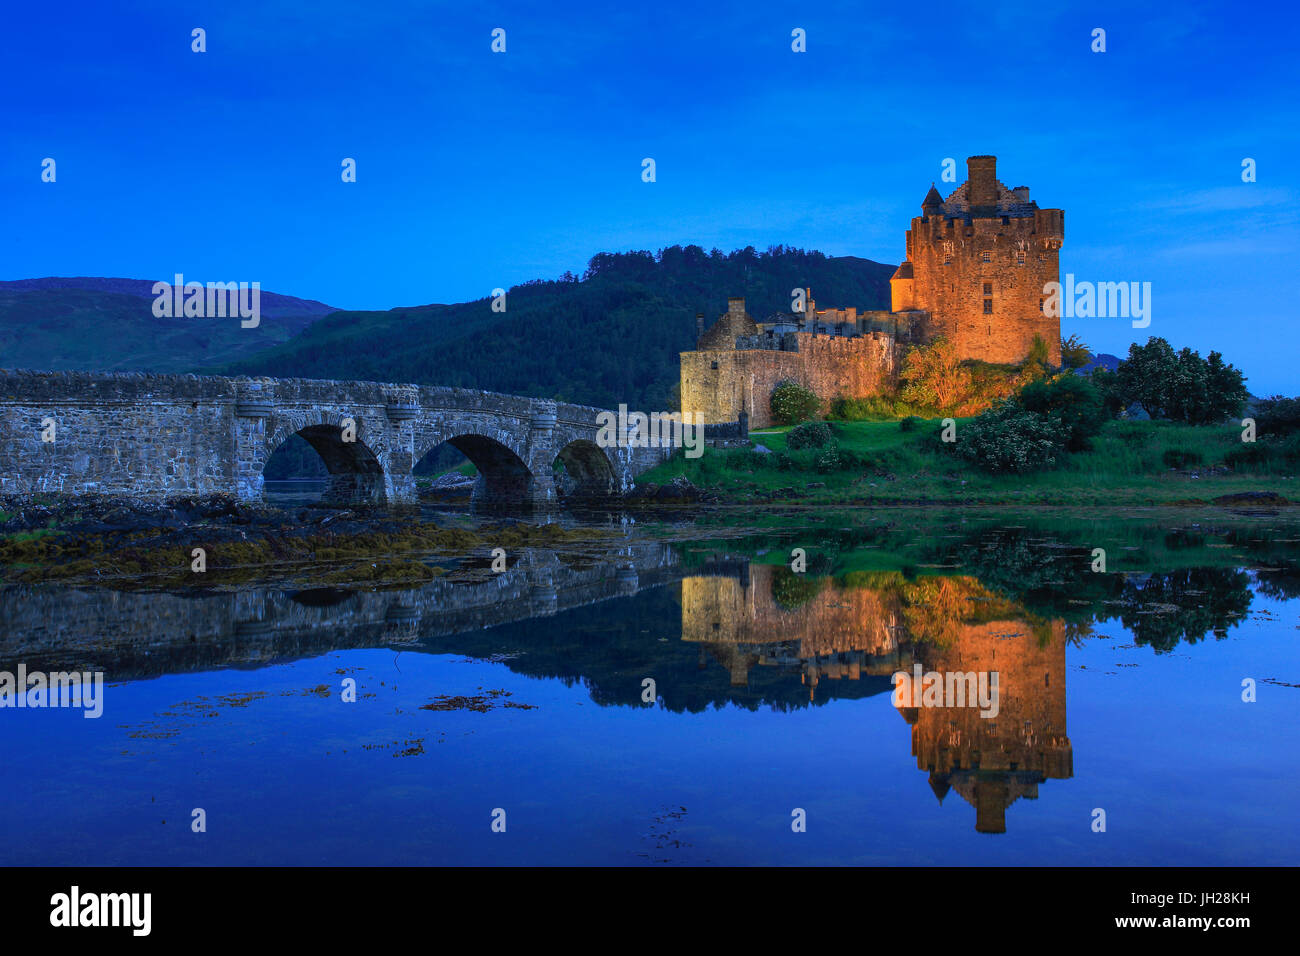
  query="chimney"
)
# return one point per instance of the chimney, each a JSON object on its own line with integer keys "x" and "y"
{"x": 699, "y": 324}
{"x": 982, "y": 179}
{"x": 736, "y": 305}
{"x": 1022, "y": 193}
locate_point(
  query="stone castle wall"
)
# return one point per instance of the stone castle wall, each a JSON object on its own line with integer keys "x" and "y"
{"x": 953, "y": 281}
{"x": 722, "y": 383}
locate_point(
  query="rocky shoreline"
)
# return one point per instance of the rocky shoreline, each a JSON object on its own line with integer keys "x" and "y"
{"x": 128, "y": 543}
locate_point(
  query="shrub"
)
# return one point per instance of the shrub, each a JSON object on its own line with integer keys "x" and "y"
{"x": 1180, "y": 458}
{"x": 874, "y": 408}
{"x": 828, "y": 459}
{"x": 1072, "y": 402}
{"x": 792, "y": 403}
{"x": 933, "y": 375}
{"x": 745, "y": 459}
{"x": 1250, "y": 453}
{"x": 911, "y": 423}
{"x": 1009, "y": 440}
{"x": 1277, "y": 415}
{"x": 808, "y": 435}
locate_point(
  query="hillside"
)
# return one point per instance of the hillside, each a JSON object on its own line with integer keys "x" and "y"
{"x": 611, "y": 336}
{"x": 107, "y": 324}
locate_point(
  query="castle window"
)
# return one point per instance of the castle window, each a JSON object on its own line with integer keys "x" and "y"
{"x": 988, "y": 257}
{"x": 715, "y": 364}
{"x": 1020, "y": 258}
{"x": 1006, "y": 220}
{"x": 1040, "y": 304}
{"x": 988, "y": 288}
{"x": 988, "y": 306}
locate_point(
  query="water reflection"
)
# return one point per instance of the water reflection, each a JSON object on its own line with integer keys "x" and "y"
{"x": 719, "y": 627}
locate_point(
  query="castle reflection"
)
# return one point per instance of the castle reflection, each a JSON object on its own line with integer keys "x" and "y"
{"x": 877, "y": 625}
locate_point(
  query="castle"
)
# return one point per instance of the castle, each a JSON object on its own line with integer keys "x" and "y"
{"x": 976, "y": 268}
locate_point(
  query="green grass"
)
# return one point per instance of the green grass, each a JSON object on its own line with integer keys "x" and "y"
{"x": 1126, "y": 466}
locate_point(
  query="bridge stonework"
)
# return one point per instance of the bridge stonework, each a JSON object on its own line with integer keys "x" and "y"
{"x": 164, "y": 436}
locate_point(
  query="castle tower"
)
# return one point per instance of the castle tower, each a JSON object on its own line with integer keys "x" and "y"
{"x": 978, "y": 263}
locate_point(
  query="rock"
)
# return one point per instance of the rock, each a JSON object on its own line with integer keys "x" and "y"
{"x": 1251, "y": 498}
{"x": 680, "y": 489}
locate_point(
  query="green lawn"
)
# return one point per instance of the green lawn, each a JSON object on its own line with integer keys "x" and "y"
{"x": 1127, "y": 465}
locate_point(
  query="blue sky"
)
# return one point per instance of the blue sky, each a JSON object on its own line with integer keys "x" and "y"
{"x": 478, "y": 170}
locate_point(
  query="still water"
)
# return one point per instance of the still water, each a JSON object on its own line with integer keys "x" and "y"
{"x": 523, "y": 698}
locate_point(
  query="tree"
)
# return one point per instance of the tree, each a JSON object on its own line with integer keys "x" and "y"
{"x": 1225, "y": 393}
{"x": 1180, "y": 386}
{"x": 1144, "y": 377}
{"x": 1074, "y": 353}
{"x": 933, "y": 376}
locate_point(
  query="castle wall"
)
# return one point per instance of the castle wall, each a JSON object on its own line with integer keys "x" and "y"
{"x": 720, "y": 384}
{"x": 952, "y": 281}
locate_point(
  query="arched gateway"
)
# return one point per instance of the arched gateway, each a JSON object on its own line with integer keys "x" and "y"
{"x": 163, "y": 436}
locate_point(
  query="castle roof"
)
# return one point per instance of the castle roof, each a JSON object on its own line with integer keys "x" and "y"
{"x": 932, "y": 198}
{"x": 904, "y": 271}
{"x": 732, "y": 323}
{"x": 958, "y": 205}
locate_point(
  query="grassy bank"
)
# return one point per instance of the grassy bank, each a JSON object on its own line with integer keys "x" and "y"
{"x": 1130, "y": 463}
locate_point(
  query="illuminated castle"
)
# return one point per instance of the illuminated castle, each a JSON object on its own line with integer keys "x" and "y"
{"x": 976, "y": 267}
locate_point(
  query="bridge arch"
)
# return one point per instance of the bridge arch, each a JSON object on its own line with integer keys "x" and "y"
{"x": 504, "y": 481}
{"x": 588, "y": 472}
{"x": 355, "y": 468}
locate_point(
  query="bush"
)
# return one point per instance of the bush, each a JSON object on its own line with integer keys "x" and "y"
{"x": 1073, "y": 402}
{"x": 792, "y": 403}
{"x": 1009, "y": 440}
{"x": 1250, "y": 453}
{"x": 875, "y": 408}
{"x": 745, "y": 459}
{"x": 808, "y": 435}
{"x": 1277, "y": 415}
{"x": 911, "y": 423}
{"x": 1180, "y": 458}
{"x": 1269, "y": 450}
{"x": 828, "y": 459}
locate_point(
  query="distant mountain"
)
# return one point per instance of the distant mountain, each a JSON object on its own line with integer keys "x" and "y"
{"x": 611, "y": 336}
{"x": 107, "y": 324}
{"x": 1103, "y": 360}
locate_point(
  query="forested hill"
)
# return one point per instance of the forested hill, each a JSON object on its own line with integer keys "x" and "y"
{"x": 611, "y": 336}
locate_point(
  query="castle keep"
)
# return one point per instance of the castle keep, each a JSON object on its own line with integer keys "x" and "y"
{"x": 977, "y": 263}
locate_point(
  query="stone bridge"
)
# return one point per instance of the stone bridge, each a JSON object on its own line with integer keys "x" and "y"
{"x": 163, "y": 436}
